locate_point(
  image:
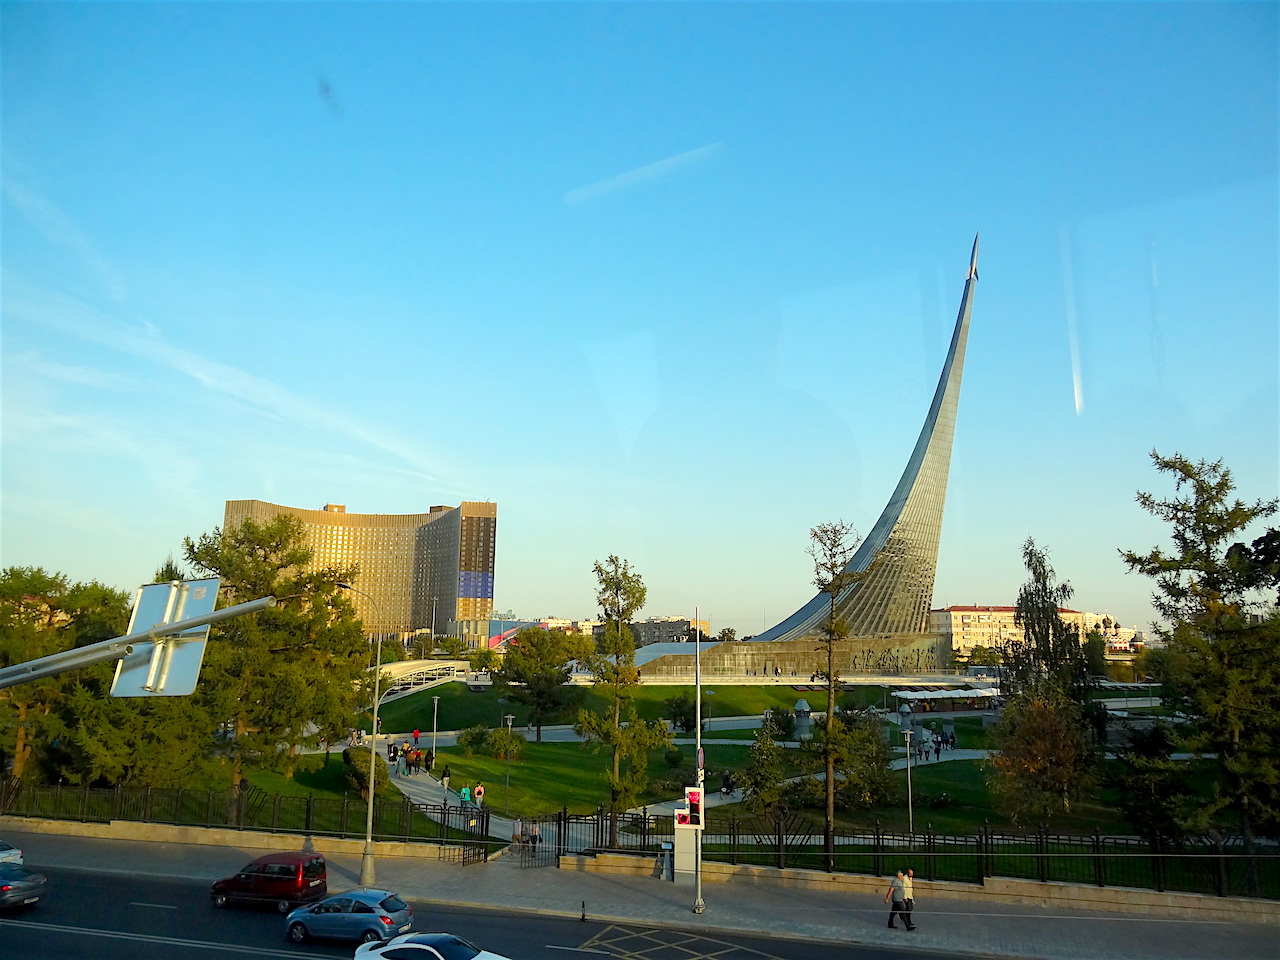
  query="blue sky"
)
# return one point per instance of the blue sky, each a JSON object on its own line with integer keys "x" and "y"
{"x": 670, "y": 281}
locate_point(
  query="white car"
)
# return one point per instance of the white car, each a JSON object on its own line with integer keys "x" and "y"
{"x": 9, "y": 854}
{"x": 425, "y": 946}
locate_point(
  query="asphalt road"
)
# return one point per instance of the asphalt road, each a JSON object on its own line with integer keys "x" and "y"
{"x": 90, "y": 916}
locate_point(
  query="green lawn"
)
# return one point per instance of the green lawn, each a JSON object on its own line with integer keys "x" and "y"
{"x": 460, "y": 707}
{"x": 555, "y": 775}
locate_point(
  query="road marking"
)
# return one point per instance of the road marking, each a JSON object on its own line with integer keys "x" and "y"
{"x": 144, "y": 938}
{"x": 156, "y": 906}
{"x": 603, "y": 953}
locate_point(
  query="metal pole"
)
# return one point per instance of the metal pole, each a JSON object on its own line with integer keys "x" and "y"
{"x": 506, "y": 799}
{"x": 435, "y": 717}
{"x": 367, "y": 876}
{"x": 698, "y": 904}
{"x": 911, "y": 821}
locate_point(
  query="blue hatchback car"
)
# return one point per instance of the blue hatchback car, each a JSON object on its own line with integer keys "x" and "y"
{"x": 364, "y": 915}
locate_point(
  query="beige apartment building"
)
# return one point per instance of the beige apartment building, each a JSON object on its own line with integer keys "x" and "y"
{"x": 966, "y": 627}
{"x": 422, "y": 570}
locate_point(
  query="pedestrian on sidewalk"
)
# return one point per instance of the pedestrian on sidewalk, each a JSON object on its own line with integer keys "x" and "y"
{"x": 478, "y": 794}
{"x": 535, "y": 833}
{"x": 430, "y": 761}
{"x": 445, "y": 774}
{"x": 464, "y": 795}
{"x": 896, "y": 894}
{"x": 415, "y": 736}
{"x": 909, "y": 897}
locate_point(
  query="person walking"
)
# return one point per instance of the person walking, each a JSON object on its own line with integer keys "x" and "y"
{"x": 895, "y": 897}
{"x": 478, "y": 794}
{"x": 464, "y": 795}
{"x": 445, "y": 774}
{"x": 415, "y": 736}
{"x": 909, "y": 897}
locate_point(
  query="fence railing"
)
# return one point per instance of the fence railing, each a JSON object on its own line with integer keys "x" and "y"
{"x": 1216, "y": 866}
{"x": 453, "y": 826}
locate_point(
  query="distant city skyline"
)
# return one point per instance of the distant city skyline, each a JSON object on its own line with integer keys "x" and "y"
{"x": 668, "y": 281}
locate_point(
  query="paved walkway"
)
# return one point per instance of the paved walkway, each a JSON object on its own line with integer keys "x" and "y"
{"x": 955, "y": 928}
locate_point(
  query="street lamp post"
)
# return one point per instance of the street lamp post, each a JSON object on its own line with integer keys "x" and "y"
{"x": 506, "y": 797}
{"x": 435, "y": 717}
{"x": 698, "y": 905}
{"x": 911, "y": 823}
{"x": 366, "y": 859}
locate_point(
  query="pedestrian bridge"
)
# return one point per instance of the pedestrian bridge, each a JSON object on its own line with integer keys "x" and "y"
{"x": 405, "y": 677}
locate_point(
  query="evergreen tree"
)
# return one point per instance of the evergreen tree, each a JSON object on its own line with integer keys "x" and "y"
{"x": 620, "y": 594}
{"x": 1221, "y": 665}
{"x": 289, "y": 676}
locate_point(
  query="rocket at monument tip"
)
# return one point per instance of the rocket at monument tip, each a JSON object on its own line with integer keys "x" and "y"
{"x": 973, "y": 260}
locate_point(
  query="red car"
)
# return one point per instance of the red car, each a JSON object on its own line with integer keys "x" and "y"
{"x": 284, "y": 879}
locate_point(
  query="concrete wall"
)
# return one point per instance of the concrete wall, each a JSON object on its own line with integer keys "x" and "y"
{"x": 997, "y": 889}
{"x": 222, "y": 837}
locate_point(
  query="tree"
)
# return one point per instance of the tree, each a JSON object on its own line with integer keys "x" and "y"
{"x": 985, "y": 657}
{"x": 291, "y": 675}
{"x": 863, "y": 761}
{"x": 832, "y": 546}
{"x": 683, "y": 712}
{"x": 727, "y": 635}
{"x": 536, "y": 669}
{"x": 763, "y": 782}
{"x": 169, "y": 570}
{"x": 1095, "y": 654}
{"x": 1049, "y": 649}
{"x": 620, "y": 593}
{"x": 482, "y": 659}
{"x": 455, "y": 648}
{"x": 1150, "y": 785}
{"x": 1221, "y": 664}
{"x": 1042, "y": 761}
{"x": 42, "y": 614}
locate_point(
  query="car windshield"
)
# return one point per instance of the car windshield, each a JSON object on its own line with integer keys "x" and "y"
{"x": 393, "y": 903}
{"x": 450, "y": 948}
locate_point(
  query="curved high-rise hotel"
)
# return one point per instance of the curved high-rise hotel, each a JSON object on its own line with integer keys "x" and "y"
{"x": 422, "y": 570}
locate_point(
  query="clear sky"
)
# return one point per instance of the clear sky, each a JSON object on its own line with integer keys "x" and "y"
{"x": 668, "y": 281}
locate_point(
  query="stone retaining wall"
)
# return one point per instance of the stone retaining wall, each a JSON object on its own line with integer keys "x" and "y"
{"x": 998, "y": 889}
{"x": 225, "y": 837}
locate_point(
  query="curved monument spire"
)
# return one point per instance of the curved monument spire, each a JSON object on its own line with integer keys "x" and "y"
{"x": 894, "y": 598}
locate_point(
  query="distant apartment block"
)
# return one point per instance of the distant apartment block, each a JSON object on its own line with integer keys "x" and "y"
{"x": 422, "y": 570}
{"x": 966, "y": 627}
{"x": 659, "y": 630}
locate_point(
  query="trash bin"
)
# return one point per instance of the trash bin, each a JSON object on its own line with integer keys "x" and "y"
{"x": 666, "y": 859}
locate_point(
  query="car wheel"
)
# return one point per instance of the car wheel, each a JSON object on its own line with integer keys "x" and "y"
{"x": 219, "y": 899}
{"x": 283, "y": 906}
{"x": 371, "y": 936}
{"x": 298, "y": 932}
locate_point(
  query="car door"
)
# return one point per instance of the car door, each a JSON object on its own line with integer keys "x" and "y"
{"x": 332, "y": 919}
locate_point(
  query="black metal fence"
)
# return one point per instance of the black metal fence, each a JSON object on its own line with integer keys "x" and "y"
{"x": 551, "y": 836}
{"x": 462, "y": 830}
{"x": 1217, "y": 866}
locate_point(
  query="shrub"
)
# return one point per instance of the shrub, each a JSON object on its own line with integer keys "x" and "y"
{"x": 472, "y": 739}
{"x": 357, "y": 763}
{"x": 502, "y": 743}
{"x": 782, "y": 722}
{"x": 674, "y": 758}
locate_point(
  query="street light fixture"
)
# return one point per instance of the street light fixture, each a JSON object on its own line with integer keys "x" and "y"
{"x": 506, "y": 798}
{"x": 435, "y": 717}
{"x": 366, "y": 859}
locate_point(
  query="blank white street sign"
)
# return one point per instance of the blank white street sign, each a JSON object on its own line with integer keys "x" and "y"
{"x": 167, "y": 666}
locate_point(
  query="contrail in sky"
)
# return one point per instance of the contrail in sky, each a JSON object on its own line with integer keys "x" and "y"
{"x": 649, "y": 173}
